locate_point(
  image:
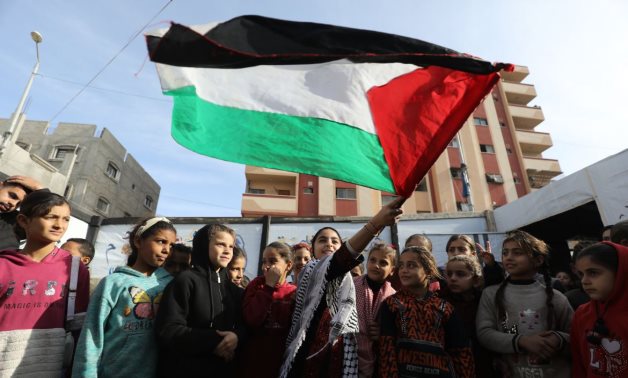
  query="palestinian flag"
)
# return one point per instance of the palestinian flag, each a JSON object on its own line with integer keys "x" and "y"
{"x": 365, "y": 107}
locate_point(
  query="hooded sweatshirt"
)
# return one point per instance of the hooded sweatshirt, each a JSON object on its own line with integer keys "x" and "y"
{"x": 117, "y": 338}
{"x": 33, "y": 302}
{"x": 610, "y": 358}
{"x": 199, "y": 302}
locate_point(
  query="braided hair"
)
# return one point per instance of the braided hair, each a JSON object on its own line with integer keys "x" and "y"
{"x": 533, "y": 248}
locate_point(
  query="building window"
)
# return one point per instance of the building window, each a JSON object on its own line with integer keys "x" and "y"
{"x": 494, "y": 178}
{"x": 308, "y": 190}
{"x": 454, "y": 143}
{"x": 60, "y": 152}
{"x": 148, "y": 202}
{"x": 456, "y": 172}
{"x": 422, "y": 187}
{"x": 133, "y": 187}
{"x": 488, "y": 148}
{"x": 502, "y": 124}
{"x": 283, "y": 192}
{"x": 480, "y": 121}
{"x": 257, "y": 191}
{"x": 68, "y": 191}
{"x": 345, "y": 193}
{"x": 24, "y": 146}
{"x": 102, "y": 205}
{"x": 516, "y": 180}
{"x": 387, "y": 199}
{"x": 112, "y": 171}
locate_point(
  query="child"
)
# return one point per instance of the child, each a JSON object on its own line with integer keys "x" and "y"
{"x": 236, "y": 267}
{"x": 80, "y": 248}
{"x": 320, "y": 341}
{"x": 566, "y": 280}
{"x": 179, "y": 259}
{"x": 464, "y": 288}
{"x": 599, "y": 331}
{"x": 525, "y": 322}
{"x": 34, "y": 286}
{"x": 199, "y": 325}
{"x": 357, "y": 271}
{"x": 267, "y": 310}
{"x": 12, "y": 192}
{"x": 117, "y": 338}
{"x": 420, "y": 333}
{"x": 370, "y": 291}
{"x": 419, "y": 240}
{"x": 463, "y": 245}
{"x": 302, "y": 253}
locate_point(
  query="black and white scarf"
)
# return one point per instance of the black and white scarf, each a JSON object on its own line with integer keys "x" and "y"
{"x": 340, "y": 298}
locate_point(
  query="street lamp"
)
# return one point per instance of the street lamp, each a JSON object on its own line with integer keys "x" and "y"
{"x": 12, "y": 132}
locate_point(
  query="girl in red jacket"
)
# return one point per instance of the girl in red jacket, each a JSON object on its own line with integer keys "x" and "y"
{"x": 267, "y": 311}
{"x": 599, "y": 331}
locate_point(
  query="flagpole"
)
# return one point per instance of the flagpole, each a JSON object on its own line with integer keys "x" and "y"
{"x": 466, "y": 192}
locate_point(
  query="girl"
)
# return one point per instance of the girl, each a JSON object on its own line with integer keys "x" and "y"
{"x": 34, "y": 285}
{"x": 371, "y": 290}
{"x": 117, "y": 339}
{"x": 463, "y": 245}
{"x": 464, "y": 288}
{"x": 320, "y": 341}
{"x": 199, "y": 325}
{"x": 524, "y": 321}
{"x": 599, "y": 331}
{"x": 566, "y": 281}
{"x": 236, "y": 267}
{"x": 420, "y": 333}
{"x": 419, "y": 240}
{"x": 267, "y": 309}
{"x": 302, "y": 255}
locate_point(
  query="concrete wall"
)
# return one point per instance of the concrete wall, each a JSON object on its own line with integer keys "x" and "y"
{"x": 87, "y": 168}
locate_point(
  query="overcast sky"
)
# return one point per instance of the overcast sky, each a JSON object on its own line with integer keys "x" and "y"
{"x": 577, "y": 53}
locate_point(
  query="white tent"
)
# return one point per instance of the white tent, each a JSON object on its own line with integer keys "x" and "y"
{"x": 605, "y": 182}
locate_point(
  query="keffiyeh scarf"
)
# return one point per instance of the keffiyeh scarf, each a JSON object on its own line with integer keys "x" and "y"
{"x": 340, "y": 299}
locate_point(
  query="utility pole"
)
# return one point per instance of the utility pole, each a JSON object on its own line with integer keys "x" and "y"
{"x": 13, "y": 130}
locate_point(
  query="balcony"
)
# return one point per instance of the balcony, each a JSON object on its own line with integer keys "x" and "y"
{"x": 541, "y": 171}
{"x": 259, "y": 171}
{"x": 269, "y": 204}
{"x": 533, "y": 143}
{"x": 526, "y": 117}
{"x": 518, "y": 93}
{"x": 520, "y": 73}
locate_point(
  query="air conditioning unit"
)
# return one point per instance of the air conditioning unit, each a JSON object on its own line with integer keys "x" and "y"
{"x": 494, "y": 178}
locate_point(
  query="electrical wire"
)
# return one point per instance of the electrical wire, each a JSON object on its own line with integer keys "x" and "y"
{"x": 110, "y": 61}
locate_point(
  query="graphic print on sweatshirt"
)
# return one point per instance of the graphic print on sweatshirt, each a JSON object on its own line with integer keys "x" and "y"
{"x": 610, "y": 358}
{"x": 28, "y": 294}
{"x": 145, "y": 306}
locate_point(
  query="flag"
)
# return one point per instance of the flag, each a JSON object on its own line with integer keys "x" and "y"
{"x": 365, "y": 107}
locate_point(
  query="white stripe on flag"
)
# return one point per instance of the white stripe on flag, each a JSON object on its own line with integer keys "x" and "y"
{"x": 335, "y": 91}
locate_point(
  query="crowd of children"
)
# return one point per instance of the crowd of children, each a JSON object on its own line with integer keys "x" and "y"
{"x": 175, "y": 311}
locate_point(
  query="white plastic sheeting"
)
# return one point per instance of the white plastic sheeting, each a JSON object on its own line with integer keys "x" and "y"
{"x": 605, "y": 182}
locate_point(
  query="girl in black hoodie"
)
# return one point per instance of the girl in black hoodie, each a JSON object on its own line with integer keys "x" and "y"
{"x": 199, "y": 324}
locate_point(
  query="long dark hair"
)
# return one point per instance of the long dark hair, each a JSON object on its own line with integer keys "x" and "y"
{"x": 533, "y": 248}
{"x": 38, "y": 204}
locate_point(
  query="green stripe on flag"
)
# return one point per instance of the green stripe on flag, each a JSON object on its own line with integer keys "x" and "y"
{"x": 299, "y": 144}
